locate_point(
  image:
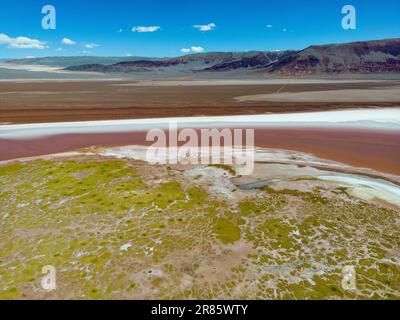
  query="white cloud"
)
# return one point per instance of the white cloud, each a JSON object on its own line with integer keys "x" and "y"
{"x": 284, "y": 30}
{"x": 59, "y": 49}
{"x": 145, "y": 29}
{"x": 197, "y": 49}
{"x": 205, "y": 27}
{"x": 91, "y": 45}
{"x": 194, "y": 49}
{"x": 68, "y": 42}
{"x": 269, "y": 25}
{"x": 22, "y": 42}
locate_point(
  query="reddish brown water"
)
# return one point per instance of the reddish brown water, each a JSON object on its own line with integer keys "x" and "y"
{"x": 377, "y": 149}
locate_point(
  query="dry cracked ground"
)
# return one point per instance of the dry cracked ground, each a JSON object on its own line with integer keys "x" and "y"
{"x": 116, "y": 228}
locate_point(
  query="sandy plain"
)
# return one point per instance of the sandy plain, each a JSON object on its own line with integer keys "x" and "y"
{"x": 26, "y": 101}
{"x": 345, "y": 95}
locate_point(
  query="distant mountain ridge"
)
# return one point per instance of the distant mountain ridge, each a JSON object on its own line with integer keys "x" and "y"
{"x": 363, "y": 57}
{"x": 381, "y": 56}
{"x": 251, "y": 60}
{"x": 177, "y": 65}
{"x": 65, "y": 62}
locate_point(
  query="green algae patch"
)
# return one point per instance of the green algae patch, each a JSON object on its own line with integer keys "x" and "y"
{"x": 118, "y": 229}
{"x": 263, "y": 205}
{"x": 10, "y": 294}
{"x": 226, "y": 231}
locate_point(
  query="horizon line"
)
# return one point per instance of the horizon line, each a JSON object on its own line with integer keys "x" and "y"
{"x": 199, "y": 53}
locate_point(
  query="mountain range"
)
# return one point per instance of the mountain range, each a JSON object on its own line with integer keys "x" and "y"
{"x": 364, "y": 57}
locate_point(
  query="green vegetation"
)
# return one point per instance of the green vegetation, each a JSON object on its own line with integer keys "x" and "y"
{"x": 227, "y": 231}
{"x": 114, "y": 229}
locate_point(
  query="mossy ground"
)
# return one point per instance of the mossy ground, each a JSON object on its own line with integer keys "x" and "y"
{"x": 184, "y": 242}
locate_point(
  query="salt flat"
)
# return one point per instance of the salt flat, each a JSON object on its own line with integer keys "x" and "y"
{"x": 350, "y": 95}
{"x": 382, "y": 118}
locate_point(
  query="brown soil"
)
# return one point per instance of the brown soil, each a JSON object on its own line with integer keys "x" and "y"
{"x": 54, "y": 101}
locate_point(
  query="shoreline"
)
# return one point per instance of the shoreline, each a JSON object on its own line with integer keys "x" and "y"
{"x": 301, "y": 166}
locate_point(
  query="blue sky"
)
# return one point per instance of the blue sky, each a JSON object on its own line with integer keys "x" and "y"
{"x": 239, "y": 26}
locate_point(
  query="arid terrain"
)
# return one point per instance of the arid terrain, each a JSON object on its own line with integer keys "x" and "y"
{"x": 32, "y": 101}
